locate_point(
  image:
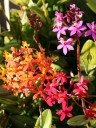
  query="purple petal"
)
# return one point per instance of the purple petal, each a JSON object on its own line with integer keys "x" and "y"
{"x": 65, "y": 50}
{"x": 94, "y": 36}
{"x": 71, "y": 28}
{"x": 80, "y": 24}
{"x": 60, "y": 46}
{"x": 69, "y": 41}
{"x": 89, "y": 25}
{"x": 79, "y": 33}
{"x": 55, "y": 30}
{"x": 82, "y": 28}
{"x": 63, "y": 31}
{"x": 88, "y": 33}
{"x": 70, "y": 47}
{"x": 58, "y": 34}
{"x": 73, "y": 32}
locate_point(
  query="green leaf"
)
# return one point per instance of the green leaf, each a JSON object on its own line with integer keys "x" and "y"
{"x": 46, "y": 119}
{"x": 20, "y": 2}
{"x": 22, "y": 121}
{"x": 62, "y": 1}
{"x": 77, "y": 121}
{"x": 57, "y": 67}
{"x": 93, "y": 123}
{"x": 88, "y": 56}
{"x": 92, "y": 5}
{"x": 4, "y": 100}
{"x": 10, "y": 109}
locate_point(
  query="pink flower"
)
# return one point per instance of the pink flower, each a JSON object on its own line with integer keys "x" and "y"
{"x": 60, "y": 78}
{"x": 62, "y": 97}
{"x": 92, "y": 31}
{"x": 59, "y": 29}
{"x": 91, "y": 112}
{"x": 59, "y": 16}
{"x": 65, "y": 45}
{"x": 76, "y": 28}
{"x": 81, "y": 88}
{"x": 65, "y": 111}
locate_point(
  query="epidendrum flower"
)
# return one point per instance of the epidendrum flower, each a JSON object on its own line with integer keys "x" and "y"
{"x": 81, "y": 88}
{"x": 91, "y": 112}
{"x": 66, "y": 45}
{"x": 59, "y": 29}
{"x": 76, "y": 28}
{"x": 92, "y": 30}
{"x": 59, "y": 16}
{"x": 65, "y": 111}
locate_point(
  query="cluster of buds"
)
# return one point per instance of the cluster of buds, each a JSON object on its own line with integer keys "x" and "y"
{"x": 35, "y": 21}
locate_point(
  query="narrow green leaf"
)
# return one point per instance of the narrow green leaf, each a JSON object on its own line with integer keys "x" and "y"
{"x": 62, "y": 1}
{"x": 92, "y": 5}
{"x": 10, "y": 109}
{"x": 22, "y": 121}
{"x": 46, "y": 119}
{"x": 77, "y": 121}
{"x": 6, "y": 101}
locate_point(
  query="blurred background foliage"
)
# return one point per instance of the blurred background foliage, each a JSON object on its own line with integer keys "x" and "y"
{"x": 21, "y": 112}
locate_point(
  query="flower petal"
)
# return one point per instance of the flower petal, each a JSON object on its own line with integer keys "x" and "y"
{"x": 73, "y": 32}
{"x": 88, "y": 33}
{"x": 60, "y": 46}
{"x": 89, "y": 25}
{"x": 94, "y": 36}
{"x": 65, "y": 50}
{"x": 70, "y": 47}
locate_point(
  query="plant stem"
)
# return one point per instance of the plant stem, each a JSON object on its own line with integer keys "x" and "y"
{"x": 78, "y": 59}
{"x": 40, "y": 111}
{"x": 79, "y": 74}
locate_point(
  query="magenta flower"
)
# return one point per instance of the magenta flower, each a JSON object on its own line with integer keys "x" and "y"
{"x": 65, "y": 45}
{"x": 76, "y": 28}
{"x": 59, "y": 16}
{"x": 92, "y": 31}
{"x": 59, "y": 29}
{"x": 81, "y": 88}
{"x": 65, "y": 111}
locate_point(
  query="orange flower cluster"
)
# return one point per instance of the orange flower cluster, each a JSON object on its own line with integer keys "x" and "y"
{"x": 26, "y": 70}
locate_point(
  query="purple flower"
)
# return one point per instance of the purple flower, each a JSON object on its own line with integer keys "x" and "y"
{"x": 65, "y": 45}
{"x": 59, "y": 29}
{"x": 92, "y": 31}
{"x": 76, "y": 28}
{"x": 59, "y": 16}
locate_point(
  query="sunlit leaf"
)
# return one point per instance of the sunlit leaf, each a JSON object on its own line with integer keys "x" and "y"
{"x": 92, "y": 5}
{"x": 19, "y": 2}
{"x": 46, "y": 119}
{"x": 88, "y": 56}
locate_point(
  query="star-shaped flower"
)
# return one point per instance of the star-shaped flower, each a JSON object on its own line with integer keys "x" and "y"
{"x": 92, "y": 30}
{"x": 66, "y": 45}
